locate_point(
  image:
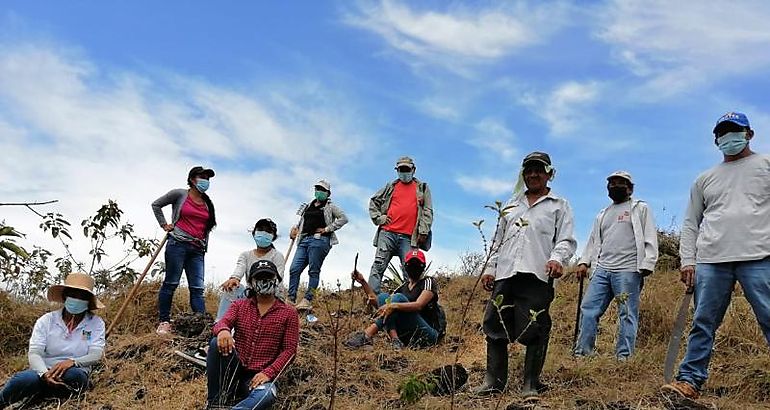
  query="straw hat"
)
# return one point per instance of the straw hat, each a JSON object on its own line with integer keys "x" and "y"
{"x": 79, "y": 281}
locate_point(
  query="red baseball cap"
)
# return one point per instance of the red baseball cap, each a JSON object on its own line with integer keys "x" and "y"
{"x": 415, "y": 253}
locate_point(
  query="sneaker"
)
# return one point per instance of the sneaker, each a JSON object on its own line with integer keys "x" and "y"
{"x": 194, "y": 356}
{"x": 304, "y": 304}
{"x": 683, "y": 389}
{"x": 164, "y": 328}
{"x": 359, "y": 339}
{"x": 397, "y": 344}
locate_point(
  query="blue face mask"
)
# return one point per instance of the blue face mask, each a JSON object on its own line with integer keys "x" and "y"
{"x": 406, "y": 177}
{"x": 263, "y": 239}
{"x": 75, "y": 306}
{"x": 202, "y": 185}
{"x": 732, "y": 143}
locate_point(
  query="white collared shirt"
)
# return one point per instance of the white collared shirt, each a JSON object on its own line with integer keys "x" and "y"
{"x": 530, "y": 236}
{"x": 51, "y": 337}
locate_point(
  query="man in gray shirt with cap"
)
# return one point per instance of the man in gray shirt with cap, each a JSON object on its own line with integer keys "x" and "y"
{"x": 623, "y": 248}
{"x": 725, "y": 238}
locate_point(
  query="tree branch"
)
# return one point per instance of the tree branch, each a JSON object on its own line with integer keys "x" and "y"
{"x": 27, "y": 203}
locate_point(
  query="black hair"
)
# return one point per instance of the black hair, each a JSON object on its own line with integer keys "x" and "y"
{"x": 415, "y": 264}
{"x": 266, "y": 225}
{"x": 729, "y": 126}
{"x": 212, "y": 221}
{"x": 629, "y": 184}
{"x": 77, "y": 294}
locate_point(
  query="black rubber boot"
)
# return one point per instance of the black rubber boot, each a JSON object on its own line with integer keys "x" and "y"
{"x": 533, "y": 366}
{"x": 497, "y": 369}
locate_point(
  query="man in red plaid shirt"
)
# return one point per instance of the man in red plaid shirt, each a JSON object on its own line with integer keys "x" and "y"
{"x": 245, "y": 366}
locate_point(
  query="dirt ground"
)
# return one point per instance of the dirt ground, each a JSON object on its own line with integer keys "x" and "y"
{"x": 140, "y": 370}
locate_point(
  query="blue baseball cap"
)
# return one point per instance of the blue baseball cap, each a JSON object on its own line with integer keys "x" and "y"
{"x": 734, "y": 117}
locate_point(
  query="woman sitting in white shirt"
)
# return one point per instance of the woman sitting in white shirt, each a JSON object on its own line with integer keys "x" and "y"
{"x": 64, "y": 345}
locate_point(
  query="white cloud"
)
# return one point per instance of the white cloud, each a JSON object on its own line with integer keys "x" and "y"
{"x": 495, "y": 139}
{"x": 564, "y": 108}
{"x": 459, "y": 32}
{"x": 485, "y": 185}
{"x": 72, "y": 132}
{"x": 439, "y": 109}
{"x": 679, "y": 45}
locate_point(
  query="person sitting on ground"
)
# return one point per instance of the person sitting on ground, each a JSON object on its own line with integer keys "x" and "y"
{"x": 411, "y": 316}
{"x": 244, "y": 367}
{"x": 265, "y": 232}
{"x": 64, "y": 345}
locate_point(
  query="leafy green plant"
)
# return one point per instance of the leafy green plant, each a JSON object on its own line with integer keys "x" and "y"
{"x": 490, "y": 249}
{"x": 335, "y": 321}
{"x": 414, "y": 387}
{"x": 8, "y": 246}
{"x": 28, "y": 275}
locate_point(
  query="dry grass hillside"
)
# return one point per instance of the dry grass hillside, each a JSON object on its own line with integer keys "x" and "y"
{"x": 141, "y": 371}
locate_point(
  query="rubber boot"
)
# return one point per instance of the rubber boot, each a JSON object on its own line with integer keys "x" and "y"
{"x": 497, "y": 369}
{"x": 533, "y": 366}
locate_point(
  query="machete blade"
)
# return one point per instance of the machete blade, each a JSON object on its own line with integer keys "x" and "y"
{"x": 676, "y": 336}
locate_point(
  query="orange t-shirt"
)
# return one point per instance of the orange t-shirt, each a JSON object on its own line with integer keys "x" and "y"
{"x": 403, "y": 209}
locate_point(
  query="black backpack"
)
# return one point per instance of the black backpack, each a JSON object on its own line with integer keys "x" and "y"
{"x": 438, "y": 316}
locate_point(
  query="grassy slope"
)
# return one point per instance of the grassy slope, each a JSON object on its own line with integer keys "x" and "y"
{"x": 140, "y": 371}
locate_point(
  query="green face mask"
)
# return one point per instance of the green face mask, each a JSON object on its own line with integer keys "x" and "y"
{"x": 321, "y": 195}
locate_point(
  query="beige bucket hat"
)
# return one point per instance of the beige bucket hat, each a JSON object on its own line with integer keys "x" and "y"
{"x": 79, "y": 281}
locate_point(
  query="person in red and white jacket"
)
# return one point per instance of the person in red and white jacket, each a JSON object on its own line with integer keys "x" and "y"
{"x": 243, "y": 367}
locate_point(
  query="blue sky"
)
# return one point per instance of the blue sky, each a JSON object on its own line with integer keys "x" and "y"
{"x": 119, "y": 99}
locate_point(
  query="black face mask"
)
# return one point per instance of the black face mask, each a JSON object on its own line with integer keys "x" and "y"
{"x": 618, "y": 193}
{"x": 414, "y": 271}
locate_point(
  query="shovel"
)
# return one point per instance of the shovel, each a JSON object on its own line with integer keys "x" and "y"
{"x": 132, "y": 293}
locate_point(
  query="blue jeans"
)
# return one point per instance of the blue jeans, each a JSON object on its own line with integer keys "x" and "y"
{"x": 181, "y": 255}
{"x": 604, "y": 287}
{"x": 227, "y": 298}
{"x": 389, "y": 244}
{"x": 310, "y": 251}
{"x": 714, "y": 283}
{"x": 411, "y": 327}
{"x": 226, "y": 373}
{"x": 27, "y": 383}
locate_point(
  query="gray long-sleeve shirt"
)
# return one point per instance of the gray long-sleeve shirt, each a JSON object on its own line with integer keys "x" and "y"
{"x": 728, "y": 217}
{"x": 247, "y": 258}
